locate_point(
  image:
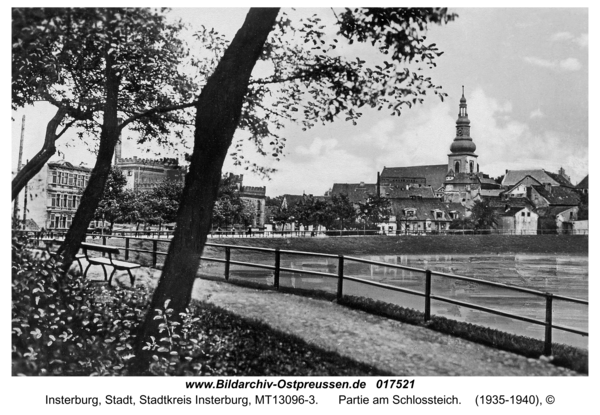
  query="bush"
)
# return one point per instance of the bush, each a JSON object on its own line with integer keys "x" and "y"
{"x": 64, "y": 325}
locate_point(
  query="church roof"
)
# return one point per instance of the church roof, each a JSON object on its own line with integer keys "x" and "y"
{"x": 356, "y": 192}
{"x": 393, "y": 192}
{"x": 463, "y": 178}
{"x": 513, "y": 176}
{"x": 434, "y": 175}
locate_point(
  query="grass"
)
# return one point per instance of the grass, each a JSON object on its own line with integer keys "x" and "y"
{"x": 425, "y": 245}
{"x": 563, "y": 355}
{"x": 248, "y": 347}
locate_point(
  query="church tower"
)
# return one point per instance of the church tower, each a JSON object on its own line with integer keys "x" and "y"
{"x": 462, "y": 157}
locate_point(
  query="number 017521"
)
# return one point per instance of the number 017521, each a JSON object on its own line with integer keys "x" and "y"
{"x": 395, "y": 384}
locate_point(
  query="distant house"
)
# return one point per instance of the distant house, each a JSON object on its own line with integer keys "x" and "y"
{"x": 519, "y": 189}
{"x": 462, "y": 187}
{"x": 518, "y": 220}
{"x": 481, "y": 194}
{"x": 583, "y": 185}
{"x": 423, "y": 215}
{"x": 559, "y": 218}
{"x": 512, "y": 177}
{"x": 546, "y": 196}
{"x": 356, "y": 192}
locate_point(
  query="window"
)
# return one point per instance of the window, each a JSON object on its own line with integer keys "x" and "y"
{"x": 456, "y": 166}
{"x": 64, "y": 204}
{"x": 54, "y": 177}
{"x": 51, "y": 222}
{"x": 522, "y": 213}
{"x": 471, "y": 167}
{"x": 64, "y": 178}
{"x": 70, "y": 179}
{"x": 528, "y": 214}
{"x": 63, "y": 221}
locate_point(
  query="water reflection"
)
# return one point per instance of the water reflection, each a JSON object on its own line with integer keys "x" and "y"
{"x": 564, "y": 275}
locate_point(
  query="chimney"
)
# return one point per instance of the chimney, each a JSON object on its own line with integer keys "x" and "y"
{"x": 548, "y": 187}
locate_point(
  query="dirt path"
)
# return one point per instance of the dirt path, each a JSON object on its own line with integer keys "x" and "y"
{"x": 403, "y": 349}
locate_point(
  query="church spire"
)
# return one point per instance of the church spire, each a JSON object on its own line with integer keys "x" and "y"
{"x": 462, "y": 142}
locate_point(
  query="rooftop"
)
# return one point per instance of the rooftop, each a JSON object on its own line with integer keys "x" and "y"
{"x": 434, "y": 175}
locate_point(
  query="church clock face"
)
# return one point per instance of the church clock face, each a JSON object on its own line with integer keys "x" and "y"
{"x": 459, "y": 132}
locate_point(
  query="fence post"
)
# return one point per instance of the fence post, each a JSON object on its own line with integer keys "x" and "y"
{"x": 548, "y": 337}
{"x": 227, "y": 259}
{"x": 427, "y": 295}
{"x": 277, "y": 267}
{"x": 340, "y": 285}
{"x": 103, "y": 243}
{"x": 154, "y": 249}
{"x": 126, "y": 248}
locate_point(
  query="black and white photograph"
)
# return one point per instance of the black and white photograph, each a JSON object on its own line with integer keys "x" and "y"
{"x": 286, "y": 208}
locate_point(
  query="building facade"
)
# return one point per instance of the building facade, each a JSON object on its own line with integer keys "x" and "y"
{"x": 54, "y": 194}
{"x": 144, "y": 174}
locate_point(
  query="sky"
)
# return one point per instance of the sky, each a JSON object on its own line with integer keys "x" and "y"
{"x": 525, "y": 74}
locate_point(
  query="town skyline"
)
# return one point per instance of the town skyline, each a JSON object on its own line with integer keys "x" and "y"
{"x": 544, "y": 125}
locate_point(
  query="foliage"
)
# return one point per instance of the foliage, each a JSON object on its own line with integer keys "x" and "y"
{"x": 343, "y": 210}
{"x": 109, "y": 208}
{"x": 583, "y": 212}
{"x": 483, "y": 215}
{"x": 376, "y": 209}
{"x": 462, "y": 223}
{"x": 162, "y": 201}
{"x": 63, "y": 325}
{"x": 309, "y": 82}
{"x": 60, "y": 56}
{"x": 230, "y": 208}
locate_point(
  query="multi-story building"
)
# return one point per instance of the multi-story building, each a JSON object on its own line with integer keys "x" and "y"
{"x": 253, "y": 194}
{"x": 54, "y": 194}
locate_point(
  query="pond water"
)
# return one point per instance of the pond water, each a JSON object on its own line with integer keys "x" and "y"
{"x": 564, "y": 275}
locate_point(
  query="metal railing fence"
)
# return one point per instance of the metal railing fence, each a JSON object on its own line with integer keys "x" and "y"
{"x": 277, "y": 269}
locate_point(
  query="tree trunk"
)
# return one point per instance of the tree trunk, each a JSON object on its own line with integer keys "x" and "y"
{"x": 218, "y": 113}
{"x": 99, "y": 176}
{"x": 41, "y": 158}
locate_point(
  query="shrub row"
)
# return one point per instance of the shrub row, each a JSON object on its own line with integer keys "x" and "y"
{"x": 64, "y": 325}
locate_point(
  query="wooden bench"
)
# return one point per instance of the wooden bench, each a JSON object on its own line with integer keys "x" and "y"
{"x": 103, "y": 261}
{"x": 50, "y": 244}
